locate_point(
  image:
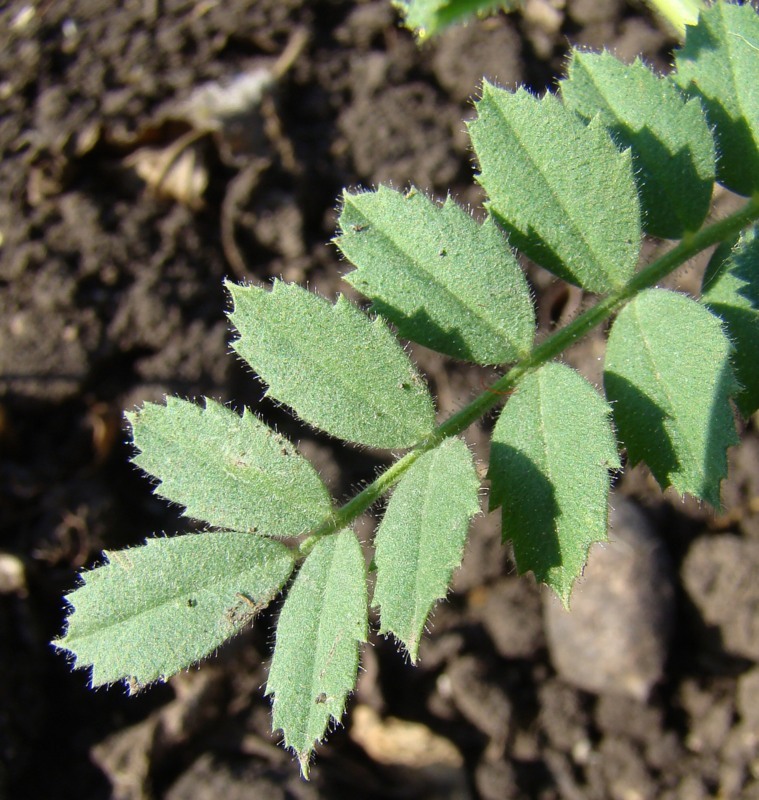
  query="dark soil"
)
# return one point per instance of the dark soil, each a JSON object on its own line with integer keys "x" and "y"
{"x": 111, "y": 294}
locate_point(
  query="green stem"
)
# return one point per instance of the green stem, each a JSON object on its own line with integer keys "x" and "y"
{"x": 690, "y": 246}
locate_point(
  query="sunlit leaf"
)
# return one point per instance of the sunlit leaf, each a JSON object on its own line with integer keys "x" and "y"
{"x": 669, "y": 379}
{"x": 154, "y": 610}
{"x": 229, "y": 471}
{"x": 552, "y": 449}
{"x": 338, "y": 369}
{"x": 672, "y": 148}
{"x": 428, "y": 17}
{"x": 731, "y": 291}
{"x": 561, "y": 188}
{"x": 441, "y": 278}
{"x": 323, "y": 621}
{"x": 421, "y": 539}
{"x": 719, "y": 64}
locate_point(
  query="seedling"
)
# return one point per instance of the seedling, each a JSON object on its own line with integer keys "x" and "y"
{"x": 573, "y": 181}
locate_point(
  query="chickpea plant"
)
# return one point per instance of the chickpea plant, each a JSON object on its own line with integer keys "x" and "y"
{"x": 573, "y": 181}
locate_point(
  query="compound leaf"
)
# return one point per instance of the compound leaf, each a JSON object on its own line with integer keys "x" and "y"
{"x": 441, "y": 278}
{"x": 552, "y": 449}
{"x": 154, "y": 610}
{"x": 719, "y": 64}
{"x": 561, "y": 189}
{"x": 428, "y": 17}
{"x": 323, "y": 621}
{"x": 339, "y": 370}
{"x": 731, "y": 291}
{"x": 668, "y": 377}
{"x": 672, "y": 148}
{"x": 421, "y": 539}
{"x": 229, "y": 471}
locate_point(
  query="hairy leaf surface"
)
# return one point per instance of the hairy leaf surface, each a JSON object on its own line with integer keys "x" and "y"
{"x": 421, "y": 539}
{"x": 229, "y": 471}
{"x": 441, "y": 278}
{"x": 428, "y": 17}
{"x": 668, "y": 377}
{"x": 552, "y": 449}
{"x": 323, "y": 621}
{"x": 719, "y": 64}
{"x": 561, "y": 189}
{"x": 731, "y": 291}
{"x": 157, "y": 609}
{"x": 339, "y": 370}
{"x": 672, "y": 148}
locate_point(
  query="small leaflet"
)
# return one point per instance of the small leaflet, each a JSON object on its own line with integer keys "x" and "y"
{"x": 229, "y": 471}
{"x": 441, "y": 278}
{"x": 420, "y": 540}
{"x": 552, "y": 449}
{"x": 563, "y": 191}
{"x": 322, "y": 624}
{"x": 429, "y": 17}
{"x": 672, "y": 148}
{"x": 154, "y": 610}
{"x": 719, "y": 64}
{"x": 339, "y": 370}
{"x": 731, "y": 291}
{"x": 668, "y": 377}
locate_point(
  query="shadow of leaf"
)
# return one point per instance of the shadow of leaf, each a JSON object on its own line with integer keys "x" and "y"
{"x": 529, "y": 508}
{"x": 641, "y": 425}
{"x": 674, "y": 197}
{"x": 646, "y": 430}
{"x": 419, "y": 327}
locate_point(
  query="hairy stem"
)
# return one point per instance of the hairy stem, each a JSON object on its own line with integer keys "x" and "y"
{"x": 690, "y": 246}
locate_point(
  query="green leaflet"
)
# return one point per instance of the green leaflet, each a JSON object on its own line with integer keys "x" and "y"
{"x": 719, "y": 64}
{"x": 668, "y": 377}
{"x": 442, "y": 279}
{"x": 672, "y": 148}
{"x": 323, "y": 621}
{"x": 338, "y": 369}
{"x": 229, "y": 471}
{"x": 678, "y": 13}
{"x": 428, "y": 17}
{"x": 421, "y": 538}
{"x": 561, "y": 189}
{"x": 155, "y": 610}
{"x": 552, "y": 449}
{"x": 731, "y": 291}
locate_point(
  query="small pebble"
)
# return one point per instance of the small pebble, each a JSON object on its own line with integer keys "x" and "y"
{"x": 512, "y": 617}
{"x": 720, "y": 575}
{"x": 615, "y": 636}
{"x": 748, "y": 700}
{"x": 479, "y": 699}
{"x": 12, "y": 575}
